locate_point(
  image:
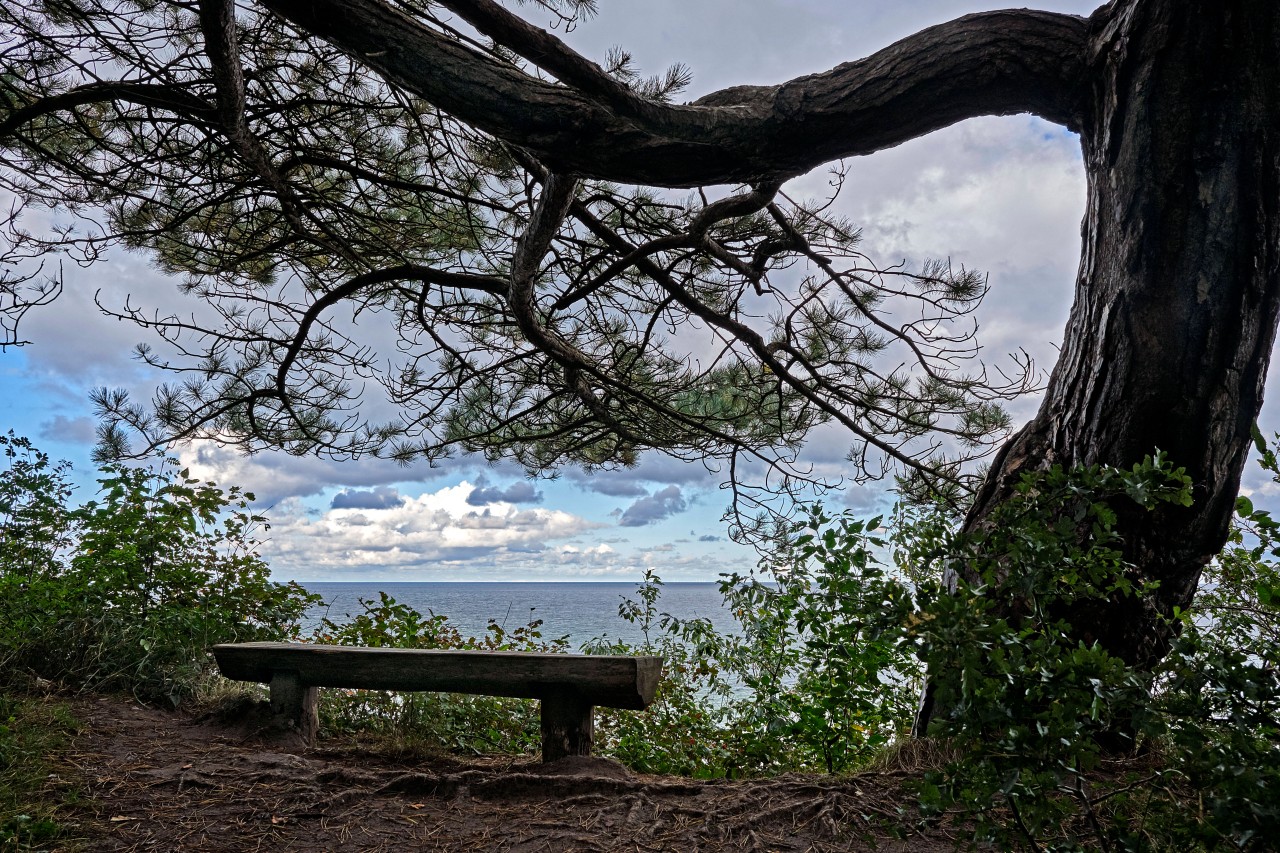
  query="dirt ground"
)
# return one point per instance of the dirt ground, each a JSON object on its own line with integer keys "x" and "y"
{"x": 159, "y": 781}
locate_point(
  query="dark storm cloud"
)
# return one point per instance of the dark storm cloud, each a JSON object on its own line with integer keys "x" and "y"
{"x": 635, "y": 482}
{"x": 610, "y": 486}
{"x": 653, "y": 508}
{"x": 71, "y": 430}
{"x": 516, "y": 493}
{"x": 383, "y": 497}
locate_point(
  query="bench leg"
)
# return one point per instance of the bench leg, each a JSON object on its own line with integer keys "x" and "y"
{"x": 567, "y": 725}
{"x": 294, "y": 705}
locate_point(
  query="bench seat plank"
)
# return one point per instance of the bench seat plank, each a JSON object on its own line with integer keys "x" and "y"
{"x": 614, "y": 681}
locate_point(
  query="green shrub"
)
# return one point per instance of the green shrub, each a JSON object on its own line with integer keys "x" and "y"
{"x": 34, "y": 519}
{"x": 823, "y": 667}
{"x": 1027, "y": 703}
{"x": 35, "y": 535}
{"x": 828, "y": 684}
{"x": 812, "y": 677}
{"x": 1220, "y": 691}
{"x": 129, "y": 590}
{"x": 1032, "y": 708}
{"x": 686, "y": 730}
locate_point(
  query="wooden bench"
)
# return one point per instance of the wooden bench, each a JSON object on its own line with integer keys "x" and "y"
{"x": 568, "y": 686}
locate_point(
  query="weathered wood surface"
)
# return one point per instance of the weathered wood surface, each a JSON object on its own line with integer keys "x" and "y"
{"x": 568, "y": 725}
{"x": 614, "y": 681}
{"x": 295, "y": 706}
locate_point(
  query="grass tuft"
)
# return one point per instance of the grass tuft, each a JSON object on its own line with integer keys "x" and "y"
{"x": 914, "y": 756}
{"x": 34, "y": 795}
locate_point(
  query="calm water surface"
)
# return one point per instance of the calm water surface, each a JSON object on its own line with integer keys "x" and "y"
{"x": 579, "y": 611}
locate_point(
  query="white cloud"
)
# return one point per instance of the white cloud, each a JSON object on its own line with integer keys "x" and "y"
{"x": 599, "y": 556}
{"x": 274, "y": 477}
{"x": 433, "y": 528}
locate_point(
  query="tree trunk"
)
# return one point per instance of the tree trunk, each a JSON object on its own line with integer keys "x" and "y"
{"x": 1175, "y": 311}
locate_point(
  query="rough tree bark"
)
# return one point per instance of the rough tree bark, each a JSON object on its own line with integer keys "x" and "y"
{"x": 1175, "y": 312}
{"x": 992, "y": 63}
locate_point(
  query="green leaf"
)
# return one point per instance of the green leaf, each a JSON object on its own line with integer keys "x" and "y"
{"x": 1258, "y": 440}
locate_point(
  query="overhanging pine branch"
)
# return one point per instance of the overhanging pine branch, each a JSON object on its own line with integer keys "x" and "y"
{"x": 158, "y": 96}
{"x": 992, "y": 63}
{"x": 550, "y": 54}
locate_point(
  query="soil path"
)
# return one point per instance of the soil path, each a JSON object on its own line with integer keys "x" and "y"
{"x": 160, "y": 781}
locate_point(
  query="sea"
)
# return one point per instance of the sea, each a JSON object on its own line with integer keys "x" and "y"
{"x": 579, "y": 612}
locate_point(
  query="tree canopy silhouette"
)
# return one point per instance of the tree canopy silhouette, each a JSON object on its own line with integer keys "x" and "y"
{"x": 508, "y": 208}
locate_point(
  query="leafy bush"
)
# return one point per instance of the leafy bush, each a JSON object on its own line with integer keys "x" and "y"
{"x": 1035, "y": 711}
{"x": 34, "y": 519}
{"x": 1220, "y": 690}
{"x": 1027, "y": 702}
{"x": 685, "y": 731}
{"x": 824, "y": 665}
{"x": 35, "y": 533}
{"x": 827, "y": 685}
{"x": 812, "y": 678}
{"x": 129, "y": 590}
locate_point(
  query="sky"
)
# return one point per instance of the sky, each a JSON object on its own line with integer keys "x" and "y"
{"x": 1001, "y": 195}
